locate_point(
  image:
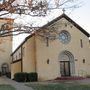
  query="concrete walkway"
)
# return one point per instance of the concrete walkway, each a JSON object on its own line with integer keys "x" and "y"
{"x": 21, "y": 86}
{"x": 18, "y": 86}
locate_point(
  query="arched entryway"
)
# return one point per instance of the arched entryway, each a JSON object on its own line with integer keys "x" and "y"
{"x": 67, "y": 65}
{"x": 5, "y": 68}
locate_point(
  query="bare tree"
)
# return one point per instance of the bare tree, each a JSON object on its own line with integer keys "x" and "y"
{"x": 37, "y": 7}
{"x": 32, "y": 8}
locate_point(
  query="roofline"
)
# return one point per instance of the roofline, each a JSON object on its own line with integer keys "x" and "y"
{"x": 78, "y": 26}
{"x": 69, "y": 19}
{"x": 51, "y": 22}
{"x": 23, "y": 43}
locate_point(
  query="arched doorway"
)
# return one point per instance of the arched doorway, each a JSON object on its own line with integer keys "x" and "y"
{"x": 67, "y": 65}
{"x": 5, "y": 68}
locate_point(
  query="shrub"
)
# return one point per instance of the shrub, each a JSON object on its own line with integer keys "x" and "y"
{"x": 26, "y": 77}
{"x": 20, "y": 77}
{"x": 32, "y": 76}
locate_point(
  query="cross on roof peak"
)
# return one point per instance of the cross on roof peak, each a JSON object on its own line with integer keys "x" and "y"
{"x": 63, "y": 10}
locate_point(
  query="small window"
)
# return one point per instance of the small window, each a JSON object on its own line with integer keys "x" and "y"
{"x": 76, "y": 59}
{"x": 19, "y": 55}
{"x": 47, "y": 41}
{"x": 16, "y": 57}
{"x": 12, "y": 58}
{"x": 23, "y": 51}
{"x": 71, "y": 26}
{"x": 65, "y": 25}
{"x": 83, "y": 60}
{"x": 81, "y": 42}
{"x": 48, "y": 61}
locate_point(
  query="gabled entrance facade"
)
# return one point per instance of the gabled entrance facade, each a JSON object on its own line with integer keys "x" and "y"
{"x": 66, "y": 54}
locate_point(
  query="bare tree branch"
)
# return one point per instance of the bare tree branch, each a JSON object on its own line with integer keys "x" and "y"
{"x": 38, "y": 8}
{"x": 32, "y": 8}
{"x": 3, "y": 14}
{"x": 9, "y": 30}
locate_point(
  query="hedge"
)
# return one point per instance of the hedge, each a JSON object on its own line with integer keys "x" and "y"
{"x": 26, "y": 77}
{"x": 20, "y": 77}
{"x": 32, "y": 77}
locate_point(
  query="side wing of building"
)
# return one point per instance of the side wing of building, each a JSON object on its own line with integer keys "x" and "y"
{"x": 23, "y": 58}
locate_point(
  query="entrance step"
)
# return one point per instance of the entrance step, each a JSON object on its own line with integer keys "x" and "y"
{"x": 70, "y": 78}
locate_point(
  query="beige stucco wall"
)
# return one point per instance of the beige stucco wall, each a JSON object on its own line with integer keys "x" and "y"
{"x": 15, "y": 67}
{"x": 5, "y": 50}
{"x": 52, "y": 70}
{"x": 29, "y": 55}
{"x": 5, "y": 46}
{"x": 35, "y": 53}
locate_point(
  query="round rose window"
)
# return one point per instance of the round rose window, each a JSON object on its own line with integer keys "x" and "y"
{"x": 64, "y": 37}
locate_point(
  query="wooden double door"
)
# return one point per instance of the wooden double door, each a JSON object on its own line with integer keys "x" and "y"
{"x": 65, "y": 68}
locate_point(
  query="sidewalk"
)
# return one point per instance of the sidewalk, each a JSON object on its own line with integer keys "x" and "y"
{"x": 18, "y": 86}
{"x": 84, "y": 81}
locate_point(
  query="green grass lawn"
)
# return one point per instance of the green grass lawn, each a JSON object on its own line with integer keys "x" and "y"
{"x": 6, "y": 87}
{"x": 59, "y": 86}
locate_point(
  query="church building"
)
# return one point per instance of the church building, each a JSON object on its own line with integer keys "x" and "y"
{"x": 59, "y": 48}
